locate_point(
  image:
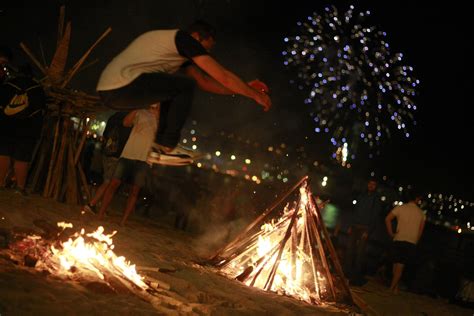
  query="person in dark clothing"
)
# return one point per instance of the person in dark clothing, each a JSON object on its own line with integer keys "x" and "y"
{"x": 367, "y": 211}
{"x": 22, "y": 108}
{"x": 164, "y": 66}
{"x": 115, "y": 137}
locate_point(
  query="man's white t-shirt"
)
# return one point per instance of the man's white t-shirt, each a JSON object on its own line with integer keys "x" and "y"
{"x": 409, "y": 218}
{"x": 141, "y": 137}
{"x": 162, "y": 51}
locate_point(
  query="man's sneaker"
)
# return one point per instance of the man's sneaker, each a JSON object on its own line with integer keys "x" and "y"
{"x": 178, "y": 156}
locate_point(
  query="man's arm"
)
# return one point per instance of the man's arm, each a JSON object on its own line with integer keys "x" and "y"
{"x": 230, "y": 81}
{"x": 129, "y": 119}
{"x": 205, "y": 82}
{"x": 388, "y": 223}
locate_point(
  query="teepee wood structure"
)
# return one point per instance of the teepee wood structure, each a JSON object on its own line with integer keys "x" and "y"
{"x": 60, "y": 146}
{"x": 290, "y": 254}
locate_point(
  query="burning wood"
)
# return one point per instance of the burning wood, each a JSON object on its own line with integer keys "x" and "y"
{"x": 82, "y": 257}
{"x": 287, "y": 255}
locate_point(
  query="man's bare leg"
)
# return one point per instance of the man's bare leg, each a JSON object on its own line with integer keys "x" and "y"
{"x": 21, "y": 172}
{"x": 4, "y": 166}
{"x": 397, "y": 274}
{"x": 108, "y": 196}
{"x": 99, "y": 193}
{"x": 131, "y": 202}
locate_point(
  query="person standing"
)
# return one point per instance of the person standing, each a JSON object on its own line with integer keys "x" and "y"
{"x": 115, "y": 137}
{"x": 132, "y": 163}
{"x": 367, "y": 212}
{"x": 410, "y": 225}
{"x": 22, "y": 108}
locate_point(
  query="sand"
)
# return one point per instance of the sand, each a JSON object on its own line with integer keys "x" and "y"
{"x": 193, "y": 289}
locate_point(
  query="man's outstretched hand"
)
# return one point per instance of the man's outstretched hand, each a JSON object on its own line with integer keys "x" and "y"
{"x": 259, "y": 86}
{"x": 262, "y": 98}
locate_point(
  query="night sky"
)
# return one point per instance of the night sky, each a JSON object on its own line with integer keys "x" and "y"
{"x": 435, "y": 40}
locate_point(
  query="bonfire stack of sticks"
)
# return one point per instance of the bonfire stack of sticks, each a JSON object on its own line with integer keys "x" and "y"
{"x": 313, "y": 239}
{"x": 56, "y": 168}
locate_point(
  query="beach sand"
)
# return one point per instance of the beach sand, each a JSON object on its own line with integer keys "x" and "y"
{"x": 193, "y": 289}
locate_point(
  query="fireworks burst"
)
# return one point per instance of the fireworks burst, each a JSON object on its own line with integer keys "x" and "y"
{"x": 360, "y": 91}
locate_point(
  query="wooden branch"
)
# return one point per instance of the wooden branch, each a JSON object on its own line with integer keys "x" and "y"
{"x": 79, "y": 63}
{"x": 58, "y": 63}
{"x": 53, "y": 158}
{"x": 33, "y": 58}
{"x": 81, "y": 144}
{"x": 317, "y": 285}
{"x": 62, "y": 14}
{"x": 59, "y": 170}
{"x": 43, "y": 56}
{"x": 315, "y": 232}
{"x": 88, "y": 65}
{"x": 83, "y": 179}
{"x": 39, "y": 166}
{"x": 334, "y": 257}
{"x": 71, "y": 181}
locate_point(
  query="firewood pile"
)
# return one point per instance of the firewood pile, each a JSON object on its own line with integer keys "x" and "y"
{"x": 56, "y": 167}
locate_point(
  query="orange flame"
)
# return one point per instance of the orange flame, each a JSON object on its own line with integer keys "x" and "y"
{"x": 94, "y": 258}
{"x": 295, "y": 273}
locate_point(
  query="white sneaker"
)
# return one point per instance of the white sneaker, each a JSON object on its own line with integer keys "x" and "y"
{"x": 173, "y": 158}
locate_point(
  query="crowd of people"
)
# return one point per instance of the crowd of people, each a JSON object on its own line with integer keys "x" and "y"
{"x": 370, "y": 214}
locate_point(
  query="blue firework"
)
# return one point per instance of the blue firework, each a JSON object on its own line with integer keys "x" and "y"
{"x": 358, "y": 89}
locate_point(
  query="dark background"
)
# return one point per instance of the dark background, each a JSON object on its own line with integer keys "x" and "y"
{"x": 436, "y": 40}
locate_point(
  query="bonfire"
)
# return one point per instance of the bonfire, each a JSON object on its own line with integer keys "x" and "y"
{"x": 291, "y": 254}
{"x": 83, "y": 257}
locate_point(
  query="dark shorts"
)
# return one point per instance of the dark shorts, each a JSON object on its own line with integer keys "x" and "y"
{"x": 403, "y": 252}
{"x": 18, "y": 148}
{"x": 134, "y": 171}
{"x": 109, "y": 164}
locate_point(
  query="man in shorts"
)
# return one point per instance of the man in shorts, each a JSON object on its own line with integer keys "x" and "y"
{"x": 115, "y": 137}
{"x": 132, "y": 163}
{"x": 410, "y": 225}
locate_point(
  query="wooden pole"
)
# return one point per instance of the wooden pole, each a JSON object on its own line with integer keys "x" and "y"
{"x": 59, "y": 170}
{"x": 294, "y": 250}
{"x": 62, "y": 14}
{"x": 33, "y": 58}
{"x": 317, "y": 286}
{"x": 322, "y": 254}
{"x": 83, "y": 179}
{"x": 332, "y": 251}
{"x": 82, "y": 122}
{"x": 53, "y": 158}
{"x": 71, "y": 181}
{"x": 76, "y": 67}
{"x": 81, "y": 144}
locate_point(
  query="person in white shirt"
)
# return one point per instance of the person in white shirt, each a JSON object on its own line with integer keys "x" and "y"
{"x": 410, "y": 225}
{"x": 132, "y": 162}
{"x": 147, "y": 72}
